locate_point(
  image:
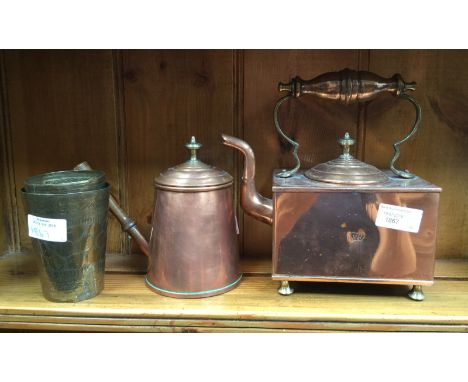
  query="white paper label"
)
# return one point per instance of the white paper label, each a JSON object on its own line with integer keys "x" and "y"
{"x": 47, "y": 229}
{"x": 400, "y": 218}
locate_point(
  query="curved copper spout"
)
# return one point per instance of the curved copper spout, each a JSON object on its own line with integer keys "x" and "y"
{"x": 252, "y": 202}
{"x": 128, "y": 225}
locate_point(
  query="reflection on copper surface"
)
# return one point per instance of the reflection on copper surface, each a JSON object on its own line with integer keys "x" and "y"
{"x": 396, "y": 253}
{"x": 194, "y": 243}
{"x": 333, "y": 235}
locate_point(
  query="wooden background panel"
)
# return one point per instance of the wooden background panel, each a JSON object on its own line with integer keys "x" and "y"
{"x": 439, "y": 150}
{"x": 315, "y": 124}
{"x": 131, "y": 117}
{"x": 170, "y": 96}
{"x": 7, "y": 213}
{"x": 62, "y": 112}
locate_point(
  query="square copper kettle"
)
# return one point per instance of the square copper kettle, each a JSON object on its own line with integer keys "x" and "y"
{"x": 345, "y": 220}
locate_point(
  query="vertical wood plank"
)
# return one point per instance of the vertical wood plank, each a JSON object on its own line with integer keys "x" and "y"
{"x": 170, "y": 96}
{"x": 62, "y": 112}
{"x": 315, "y": 124}
{"x": 238, "y": 131}
{"x": 119, "y": 100}
{"x": 9, "y": 235}
{"x": 364, "y": 61}
{"x": 438, "y": 152}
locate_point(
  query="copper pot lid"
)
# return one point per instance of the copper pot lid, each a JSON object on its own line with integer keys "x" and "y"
{"x": 193, "y": 173}
{"x": 346, "y": 169}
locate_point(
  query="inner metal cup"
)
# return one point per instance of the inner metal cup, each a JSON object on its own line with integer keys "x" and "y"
{"x": 63, "y": 182}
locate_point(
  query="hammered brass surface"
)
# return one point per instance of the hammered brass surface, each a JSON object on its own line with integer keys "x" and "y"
{"x": 72, "y": 270}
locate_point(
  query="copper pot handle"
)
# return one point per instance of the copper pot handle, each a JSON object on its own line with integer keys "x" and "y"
{"x": 128, "y": 224}
{"x": 349, "y": 86}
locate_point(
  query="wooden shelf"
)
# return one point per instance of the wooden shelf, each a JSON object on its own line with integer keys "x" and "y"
{"x": 126, "y": 304}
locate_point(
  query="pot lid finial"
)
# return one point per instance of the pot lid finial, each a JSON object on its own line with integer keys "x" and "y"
{"x": 193, "y": 173}
{"x": 193, "y": 146}
{"x": 346, "y": 142}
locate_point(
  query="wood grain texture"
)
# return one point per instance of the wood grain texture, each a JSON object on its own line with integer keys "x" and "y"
{"x": 119, "y": 100}
{"x": 238, "y": 128}
{"x": 126, "y": 304}
{"x": 315, "y": 124}
{"x": 62, "y": 112}
{"x": 130, "y": 113}
{"x": 438, "y": 152}
{"x": 170, "y": 96}
{"x": 9, "y": 238}
{"x": 216, "y": 326}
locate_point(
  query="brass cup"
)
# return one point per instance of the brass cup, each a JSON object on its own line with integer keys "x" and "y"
{"x": 71, "y": 271}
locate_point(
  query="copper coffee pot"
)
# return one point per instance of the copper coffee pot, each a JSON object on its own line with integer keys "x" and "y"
{"x": 345, "y": 220}
{"x": 193, "y": 249}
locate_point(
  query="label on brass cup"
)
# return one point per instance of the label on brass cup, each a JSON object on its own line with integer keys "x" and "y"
{"x": 47, "y": 229}
{"x": 399, "y": 218}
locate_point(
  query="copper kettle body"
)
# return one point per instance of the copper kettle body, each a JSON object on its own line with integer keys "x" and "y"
{"x": 330, "y": 223}
{"x": 193, "y": 248}
{"x": 343, "y": 220}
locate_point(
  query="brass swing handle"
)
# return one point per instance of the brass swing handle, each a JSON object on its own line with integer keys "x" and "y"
{"x": 348, "y": 86}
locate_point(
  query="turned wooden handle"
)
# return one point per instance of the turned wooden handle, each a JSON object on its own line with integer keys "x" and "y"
{"x": 347, "y": 86}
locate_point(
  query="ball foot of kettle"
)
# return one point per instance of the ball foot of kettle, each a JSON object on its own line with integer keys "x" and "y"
{"x": 416, "y": 293}
{"x": 285, "y": 289}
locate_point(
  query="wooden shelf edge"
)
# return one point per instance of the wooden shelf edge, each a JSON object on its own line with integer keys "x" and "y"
{"x": 10, "y": 322}
{"x": 126, "y": 305}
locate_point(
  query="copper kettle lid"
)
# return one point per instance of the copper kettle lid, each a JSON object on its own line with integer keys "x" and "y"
{"x": 346, "y": 169}
{"x": 193, "y": 173}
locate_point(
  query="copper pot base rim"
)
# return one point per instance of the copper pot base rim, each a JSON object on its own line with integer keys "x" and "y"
{"x": 200, "y": 294}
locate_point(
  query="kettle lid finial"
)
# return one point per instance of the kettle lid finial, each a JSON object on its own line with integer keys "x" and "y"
{"x": 346, "y": 142}
{"x": 193, "y": 174}
{"x": 193, "y": 146}
{"x": 346, "y": 169}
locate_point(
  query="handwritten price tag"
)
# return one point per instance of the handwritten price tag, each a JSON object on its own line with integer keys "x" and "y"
{"x": 400, "y": 218}
{"x": 47, "y": 229}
